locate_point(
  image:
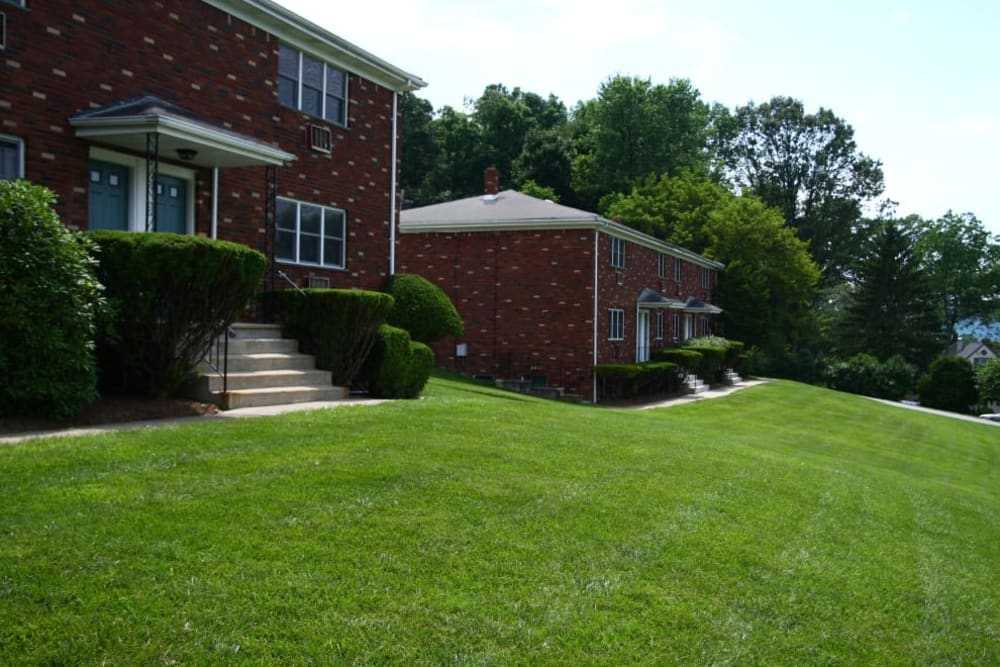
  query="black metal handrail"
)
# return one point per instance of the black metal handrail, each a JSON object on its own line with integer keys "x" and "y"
{"x": 217, "y": 356}
{"x": 291, "y": 282}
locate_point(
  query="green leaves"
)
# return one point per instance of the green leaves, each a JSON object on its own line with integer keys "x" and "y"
{"x": 49, "y": 302}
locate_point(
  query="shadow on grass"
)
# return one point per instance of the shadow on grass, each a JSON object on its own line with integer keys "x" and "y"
{"x": 470, "y": 386}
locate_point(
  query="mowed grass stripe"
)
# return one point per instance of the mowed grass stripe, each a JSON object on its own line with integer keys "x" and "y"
{"x": 782, "y": 525}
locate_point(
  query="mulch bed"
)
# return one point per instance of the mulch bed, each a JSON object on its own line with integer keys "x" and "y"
{"x": 111, "y": 411}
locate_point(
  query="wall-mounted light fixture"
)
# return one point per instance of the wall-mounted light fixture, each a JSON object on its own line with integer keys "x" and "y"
{"x": 187, "y": 154}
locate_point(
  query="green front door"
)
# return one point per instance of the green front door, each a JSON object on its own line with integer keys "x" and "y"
{"x": 108, "y": 196}
{"x": 171, "y": 205}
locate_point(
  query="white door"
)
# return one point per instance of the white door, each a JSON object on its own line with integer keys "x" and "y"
{"x": 642, "y": 337}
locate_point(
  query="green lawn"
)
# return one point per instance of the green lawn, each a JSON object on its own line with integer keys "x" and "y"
{"x": 784, "y": 524}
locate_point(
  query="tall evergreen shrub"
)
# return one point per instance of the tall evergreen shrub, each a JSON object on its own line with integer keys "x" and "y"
{"x": 49, "y": 300}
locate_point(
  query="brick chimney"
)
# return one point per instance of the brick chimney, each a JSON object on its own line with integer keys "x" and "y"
{"x": 491, "y": 181}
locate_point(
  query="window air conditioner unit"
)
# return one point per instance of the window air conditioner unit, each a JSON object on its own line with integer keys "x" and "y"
{"x": 319, "y": 282}
{"x": 320, "y": 138}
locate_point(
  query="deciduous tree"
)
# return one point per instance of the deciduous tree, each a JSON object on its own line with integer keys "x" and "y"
{"x": 810, "y": 168}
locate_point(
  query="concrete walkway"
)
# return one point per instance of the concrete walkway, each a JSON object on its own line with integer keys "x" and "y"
{"x": 240, "y": 413}
{"x": 691, "y": 398}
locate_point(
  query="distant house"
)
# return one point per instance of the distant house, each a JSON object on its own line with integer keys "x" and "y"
{"x": 976, "y": 352}
{"x": 547, "y": 291}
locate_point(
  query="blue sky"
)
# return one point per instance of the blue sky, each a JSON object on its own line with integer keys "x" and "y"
{"x": 919, "y": 81}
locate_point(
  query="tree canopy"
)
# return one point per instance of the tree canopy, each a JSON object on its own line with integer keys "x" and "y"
{"x": 809, "y": 167}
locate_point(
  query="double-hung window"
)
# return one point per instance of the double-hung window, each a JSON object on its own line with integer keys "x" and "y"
{"x": 659, "y": 325}
{"x": 310, "y": 234}
{"x": 311, "y": 85}
{"x": 11, "y": 158}
{"x": 616, "y": 324}
{"x": 678, "y": 270}
{"x": 706, "y": 278}
{"x": 617, "y": 253}
{"x": 661, "y": 265}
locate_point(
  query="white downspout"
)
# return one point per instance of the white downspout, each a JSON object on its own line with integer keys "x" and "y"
{"x": 215, "y": 202}
{"x": 392, "y": 195}
{"x": 597, "y": 236}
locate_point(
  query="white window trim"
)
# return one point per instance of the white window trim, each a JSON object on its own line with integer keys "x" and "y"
{"x": 678, "y": 270}
{"x": 616, "y": 314}
{"x": 19, "y": 142}
{"x": 323, "y": 94}
{"x": 706, "y": 278}
{"x": 298, "y": 222}
{"x": 658, "y": 326}
{"x": 661, "y": 265}
{"x": 617, "y": 258}
{"x": 137, "y": 186}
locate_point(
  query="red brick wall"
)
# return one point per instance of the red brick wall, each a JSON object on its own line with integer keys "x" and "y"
{"x": 64, "y": 57}
{"x": 526, "y": 299}
{"x": 620, "y": 288}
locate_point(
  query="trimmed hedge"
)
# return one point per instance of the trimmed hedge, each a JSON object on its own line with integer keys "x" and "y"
{"x": 717, "y": 354}
{"x": 49, "y": 301}
{"x": 397, "y": 367}
{"x": 422, "y": 308}
{"x": 618, "y": 381}
{"x": 170, "y": 296}
{"x": 338, "y": 326}
{"x": 689, "y": 360}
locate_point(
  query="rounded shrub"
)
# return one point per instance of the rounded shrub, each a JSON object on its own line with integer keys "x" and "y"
{"x": 949, "y": 384}
{"x": 170, "y": 296}
{"x": 422, "y": 308}
{"x": 49, "y": 301}
{"x": 397, "y": 367}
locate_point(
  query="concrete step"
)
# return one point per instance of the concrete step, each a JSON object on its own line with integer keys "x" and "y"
{"x": 250, "y": 398}
{"x": 262, "y": 345}
{"x": 284, "y": 377}
{"x": 268, "y": 361}
{"x": 253, "y": 330}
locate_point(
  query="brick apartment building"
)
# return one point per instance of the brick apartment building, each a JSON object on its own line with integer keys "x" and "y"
{"x": 546, "y": 291}
{"x": 233, "y": 119}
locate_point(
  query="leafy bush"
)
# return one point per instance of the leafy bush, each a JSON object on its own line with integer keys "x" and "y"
{"x": 338, "y": 326}
{"x": 717, "y": 353}
{"x": 422, "y": 308}
{"x": 948, "y": 385}
{"x": 618, "y": 381}
{"x": 397, "y": 367}
{"x": 896, "y": 378}
{"x": 988, "y": 382}
{"x": 864, "y": 374}
{"x": 170, "y": 296}
{"x": 49, "y": 299}
{"x": 855, "y": 375}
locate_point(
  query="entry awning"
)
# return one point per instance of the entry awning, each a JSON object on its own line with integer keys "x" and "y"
{"x": 650, "y": 298}
{"x": 183, "y": 136}
{"x": 696, "y": 305}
